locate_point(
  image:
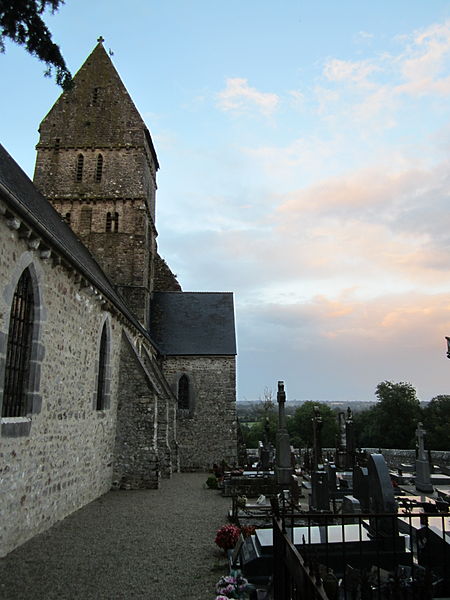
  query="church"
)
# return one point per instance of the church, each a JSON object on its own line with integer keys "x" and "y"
{"x": 111, "y": 376}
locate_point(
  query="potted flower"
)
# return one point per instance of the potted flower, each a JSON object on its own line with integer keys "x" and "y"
{"x": 227, "y": 536}
{"x": 232, "y": 586}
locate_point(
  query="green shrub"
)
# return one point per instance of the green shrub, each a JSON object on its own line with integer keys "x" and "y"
{"x": 211, "y": 482}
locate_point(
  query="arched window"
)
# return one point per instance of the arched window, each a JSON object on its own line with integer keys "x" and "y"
{"x": 183, "y": 392}
{"x": 80, "y": 163}
{"x": 115, "y": 219}
{"x": 56, "y": 146}
{"x": 99, "y": 168}
{"x": 94, "y": 96}
{"x": 85, "y": 219}
{"x": 102, "y": 392}
{"x": 112, "y": 222}
{"x": 18, "y": 350}
{"x": 67, "y": 218}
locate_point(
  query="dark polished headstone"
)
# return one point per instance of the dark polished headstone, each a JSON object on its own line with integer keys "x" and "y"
{"x": 320, "y": 496}
{"x": 361, "y": 487}
{"x": 381, "y": 497}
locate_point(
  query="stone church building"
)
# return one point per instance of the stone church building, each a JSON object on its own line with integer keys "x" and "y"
{"x": 110, "y": 374}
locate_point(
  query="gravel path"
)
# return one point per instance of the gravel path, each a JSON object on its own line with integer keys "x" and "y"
{"x": 154, "y": 544}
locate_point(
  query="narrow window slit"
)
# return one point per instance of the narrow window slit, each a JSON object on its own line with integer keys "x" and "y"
{"x": 99, "y": 169}
{"x": 183, "y": 392}
{"x": 80, "y": 163}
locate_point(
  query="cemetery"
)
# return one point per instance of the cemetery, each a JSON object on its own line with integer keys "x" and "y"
{"x": 338, "y": 524}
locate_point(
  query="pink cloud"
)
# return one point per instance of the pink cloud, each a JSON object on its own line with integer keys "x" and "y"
{"x": 239, "y": 97}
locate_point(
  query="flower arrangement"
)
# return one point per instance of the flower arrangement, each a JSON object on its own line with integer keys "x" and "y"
{"x": 231, "y": 586}
{"x": 248, "y": 530}
{"x": 227, "y": 536}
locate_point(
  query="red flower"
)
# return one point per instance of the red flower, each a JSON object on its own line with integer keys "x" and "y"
{"x": 227, "y": 536}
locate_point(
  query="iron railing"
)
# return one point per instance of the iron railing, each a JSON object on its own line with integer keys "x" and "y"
{"x": 404, "y": 556}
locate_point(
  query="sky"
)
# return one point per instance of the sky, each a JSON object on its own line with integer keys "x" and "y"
{"x": 304, "y": 153}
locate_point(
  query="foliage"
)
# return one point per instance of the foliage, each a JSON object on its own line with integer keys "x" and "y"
{"x": 266, "y": 403}
{"x": 264, "y": 412}
{"x": 300, "y": 425}
{"x": 366, "y": 429}
{"x": 397, "y": 414}
{"x": 21, "y": 22}
{"x": 436, "y": 420}
{"x": 212, "y": 483}
{"x": 231, "y": 586}
{"x": 255, "y": 432}
{"x": 227, "y": 536}
{"x": 392, "y": 422}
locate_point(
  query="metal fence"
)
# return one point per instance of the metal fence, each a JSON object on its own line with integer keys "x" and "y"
{"x": 402, "y": 556}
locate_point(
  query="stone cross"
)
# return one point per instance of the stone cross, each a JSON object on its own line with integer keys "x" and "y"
{"x": 317, "y": 446}
{"x": 283, "y": 457}
{"x": 420, "y": 434}
{"x": 423, "y": 479}
{"x": 349, "y": 439}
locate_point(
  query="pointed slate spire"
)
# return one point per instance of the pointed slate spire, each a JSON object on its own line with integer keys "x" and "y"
{"x": 96, "y": 112}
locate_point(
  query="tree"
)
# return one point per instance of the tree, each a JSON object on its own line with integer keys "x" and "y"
{"x": 366, "y": 428}
{"x": 300, "y": 425}
{"x": 396, "y": 415}
{"x": 266, "y": 403}
{"x": 256, "y": 432}
{"x": 265, "y": 409}
{"x": 436, "y": 420}
{"x": 20, "y": 20}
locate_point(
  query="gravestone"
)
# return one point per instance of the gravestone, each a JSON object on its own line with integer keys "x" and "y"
{"x": 361, "y": 487}
{"x": 341, "y": 461}
{"x": 320, "y": 496}
{"x": 349, "y": 439}
{"x": 381, "y": 497}
{"x": 295, "y": 489}
{"x": 423, "y": 480}
{"x": 283, "y": 468}
{"x": 317, "y": 424}
{"x": 331, "y": 475}
{"x": 350, "y": 506}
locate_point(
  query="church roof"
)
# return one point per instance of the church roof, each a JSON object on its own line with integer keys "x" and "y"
{"x": 103, "y": 98}
{"x": 188, "y": 323}
{"x": 28, "y": 204}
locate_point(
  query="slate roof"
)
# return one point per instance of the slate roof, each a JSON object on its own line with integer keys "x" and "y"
{"x": 193, "y": 323}
{"x": 29, "y": 204}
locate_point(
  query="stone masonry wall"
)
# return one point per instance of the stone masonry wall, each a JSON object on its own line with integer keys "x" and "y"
{"x": 165, "y": 280}
{"x": 136, "y": 461}
{"x": 66, "y": 459}
{"x": 207, "y": 432}
{"x": 125, "y": 174}
{"x": 395, "y": 458}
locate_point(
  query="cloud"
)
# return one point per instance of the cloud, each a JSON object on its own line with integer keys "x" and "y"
{"x": 350, "y": 71}
{"x": 341, "y": 347}
{"x": 239, "y": 97}
{"x": 372, "y": 92}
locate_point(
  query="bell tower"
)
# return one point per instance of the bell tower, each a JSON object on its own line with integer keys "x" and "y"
{"x": 97, "y": 165}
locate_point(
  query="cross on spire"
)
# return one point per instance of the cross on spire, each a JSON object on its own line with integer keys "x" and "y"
{"x": 101, "y": 39}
